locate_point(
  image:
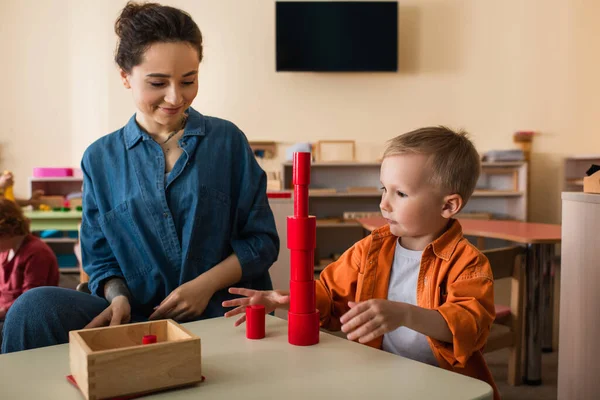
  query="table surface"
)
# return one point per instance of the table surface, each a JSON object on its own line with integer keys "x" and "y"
{"x": 236, "y": 367}
{"x": 514, "y": 231}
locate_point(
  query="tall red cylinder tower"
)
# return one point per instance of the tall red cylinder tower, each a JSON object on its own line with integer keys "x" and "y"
{"x": 303, "y": 317}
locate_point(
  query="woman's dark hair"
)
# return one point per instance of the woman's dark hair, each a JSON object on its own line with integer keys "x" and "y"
{"x": 141, "y": 25}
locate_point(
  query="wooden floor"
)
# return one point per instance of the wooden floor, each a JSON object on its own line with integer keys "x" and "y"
{"x": 497, "y": 361}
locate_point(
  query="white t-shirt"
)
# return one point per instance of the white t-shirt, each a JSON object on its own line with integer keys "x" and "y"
{"x": 403, "y": 288}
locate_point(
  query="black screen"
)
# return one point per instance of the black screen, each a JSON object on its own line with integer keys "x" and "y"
{"x": 336, "y": 36}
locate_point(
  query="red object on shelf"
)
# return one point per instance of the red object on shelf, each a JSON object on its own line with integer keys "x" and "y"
{"x": 149, "y": 339}
{"x": 303, "y": 317}
{"x": 279, "y": 195}
{"x": 255, "y": 322}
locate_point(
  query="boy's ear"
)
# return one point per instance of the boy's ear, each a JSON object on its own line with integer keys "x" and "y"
{"x": 453, "y": 203}
{"x": 125, "y": 79}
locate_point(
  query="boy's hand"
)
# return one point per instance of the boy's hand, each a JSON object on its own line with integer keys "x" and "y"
{"x": 186, "y": 302}
{"x": 372, "y": 318}
{"x": 271, "y": 299}
{"x": 117, "y": 313}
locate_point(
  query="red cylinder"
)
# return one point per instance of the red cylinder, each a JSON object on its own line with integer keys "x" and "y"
{"x": 302, "y": 297}
{"x": 255, "y": 322}
{"x": 302, "y": 233}
{"x": 302, "y": 265}
{"x": 301, "y": 201}
{"x": 149, "y": 339}
{"x": 303, "y": 329}
{"x": 301, "y": 169}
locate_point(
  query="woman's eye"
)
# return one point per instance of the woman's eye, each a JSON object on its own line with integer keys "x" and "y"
{"x": 157, "y": 84}
{"x": 189, "y": 83}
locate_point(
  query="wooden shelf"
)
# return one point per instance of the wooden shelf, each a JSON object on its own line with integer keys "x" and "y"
{"x": 57, "y": 179}
{"x": 338, "y": 164}
{"x": 497, "y": 193}
{"x": 69, "y": 270}
{"x": 575, "y": 181}
{"x": 337, "y": 224}
{"x": 374, "y": 193}
{"x": 487, "y": 164}
{"x": 59, "y": 240}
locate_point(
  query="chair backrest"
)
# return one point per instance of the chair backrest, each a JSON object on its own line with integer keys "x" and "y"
{"x": 504, "y": 260}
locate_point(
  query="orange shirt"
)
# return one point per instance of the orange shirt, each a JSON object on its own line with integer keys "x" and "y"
{"x": 454, "y": 278}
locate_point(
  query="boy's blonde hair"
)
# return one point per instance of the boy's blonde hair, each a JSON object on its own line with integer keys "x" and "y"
{"x": 454, "y": 161}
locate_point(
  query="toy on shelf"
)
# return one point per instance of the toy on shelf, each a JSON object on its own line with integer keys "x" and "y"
{"x": 132, "y": 359}
{"x": 45, "y": 172}
{"x": 303, "y": 317}
{"x": 9, "y": 193}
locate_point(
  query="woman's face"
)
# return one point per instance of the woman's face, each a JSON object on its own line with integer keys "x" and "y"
{"x": 163, "y": 85}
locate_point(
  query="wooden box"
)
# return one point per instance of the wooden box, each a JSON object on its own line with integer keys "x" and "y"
{"x": 591, "y": 184}
{"x": 112, "y": 361}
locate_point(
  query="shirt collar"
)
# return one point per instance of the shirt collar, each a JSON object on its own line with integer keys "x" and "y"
{"x": 195, "y": 126}
{"x": 444, "y": 246}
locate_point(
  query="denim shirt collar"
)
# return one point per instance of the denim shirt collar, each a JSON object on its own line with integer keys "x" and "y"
{"x": 195, "y": 126}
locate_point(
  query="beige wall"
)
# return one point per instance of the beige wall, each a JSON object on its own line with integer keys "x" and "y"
{"x": 489, "y": 67}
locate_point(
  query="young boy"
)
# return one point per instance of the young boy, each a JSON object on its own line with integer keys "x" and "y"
{"x": 25, "y": 261}
{"x": 415, "y": 287}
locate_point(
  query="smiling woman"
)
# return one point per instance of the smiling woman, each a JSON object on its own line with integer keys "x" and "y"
{"x": 174, "y": 203}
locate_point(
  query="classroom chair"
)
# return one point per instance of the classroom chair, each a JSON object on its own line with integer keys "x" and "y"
{"x": 507, "y": 263}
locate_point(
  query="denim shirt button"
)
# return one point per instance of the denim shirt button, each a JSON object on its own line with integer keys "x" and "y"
{"x": 166, "y": 215}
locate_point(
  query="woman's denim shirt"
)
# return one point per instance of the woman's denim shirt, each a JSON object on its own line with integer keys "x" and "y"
{"x": 158, "y": 233}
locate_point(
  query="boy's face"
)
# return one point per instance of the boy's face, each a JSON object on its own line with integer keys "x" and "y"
{"x": 415, "y": 209}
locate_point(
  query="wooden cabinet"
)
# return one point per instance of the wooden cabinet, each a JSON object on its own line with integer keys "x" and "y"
{"x": 61, "y": 242}
{"x": 575, "y": 169}
{"x": 579, "y": 348}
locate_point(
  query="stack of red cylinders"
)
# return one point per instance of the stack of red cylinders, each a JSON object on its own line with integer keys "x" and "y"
{"x": 303, "y": 317}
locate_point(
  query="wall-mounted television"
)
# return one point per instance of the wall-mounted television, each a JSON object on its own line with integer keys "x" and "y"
{"x": 336, "y": 36}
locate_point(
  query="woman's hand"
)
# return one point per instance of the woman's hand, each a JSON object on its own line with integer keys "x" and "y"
{"x": 117, "y": 313}
{"x": 271, "y": 299}
{"x": 186, "y": 302}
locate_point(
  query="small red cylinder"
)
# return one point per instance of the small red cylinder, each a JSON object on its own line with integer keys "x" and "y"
{"x": 303, "y": 329}
{"x": 301, "y": 233}
{"x": 302, "y": 263}
{"x": 148, "y": 339}
{"x": 301, "y": 169}
{"x": 302, "y": 297}
{"x": 301, "y": 201}
{"x": 255, "y": 322}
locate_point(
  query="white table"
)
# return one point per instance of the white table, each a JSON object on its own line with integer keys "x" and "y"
{"x": 238, "y": 368}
